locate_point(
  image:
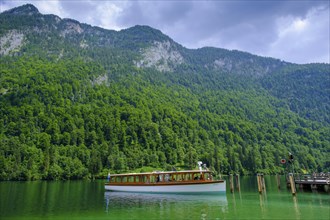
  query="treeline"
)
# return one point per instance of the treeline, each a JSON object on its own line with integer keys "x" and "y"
{"x": 62, "y": 119}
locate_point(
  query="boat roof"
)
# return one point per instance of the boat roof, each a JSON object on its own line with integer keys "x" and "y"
{"x": 162, "y": 172}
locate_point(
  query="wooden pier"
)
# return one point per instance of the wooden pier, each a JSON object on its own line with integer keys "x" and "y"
{"x": 316, "y": 181}
{"x": 261, "y": 183}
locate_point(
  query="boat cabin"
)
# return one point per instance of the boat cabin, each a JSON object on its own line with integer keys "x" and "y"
{"x": 162, "y": 177}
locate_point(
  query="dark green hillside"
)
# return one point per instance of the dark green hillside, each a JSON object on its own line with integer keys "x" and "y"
{"x": 305, "y": 89}
{"x": 77, "y": 101}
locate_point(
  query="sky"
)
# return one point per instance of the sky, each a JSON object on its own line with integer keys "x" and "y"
{"x": 296, "y": 31}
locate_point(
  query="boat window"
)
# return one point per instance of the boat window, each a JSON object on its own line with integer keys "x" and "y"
{"x": 124, "y": 179}
{"x": 173, "y": 177}
{"x": 207, "y": 176}
{"x": 143, "y": 179}
{"x": 117, "y": 179}
{"x": 130, "y": 179}
{"x": 161, "y": 177}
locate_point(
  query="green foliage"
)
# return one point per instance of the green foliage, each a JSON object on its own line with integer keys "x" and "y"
{"x": 57, "y": 123}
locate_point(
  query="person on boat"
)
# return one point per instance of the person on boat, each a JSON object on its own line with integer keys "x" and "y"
{"x": 204, "y": 166}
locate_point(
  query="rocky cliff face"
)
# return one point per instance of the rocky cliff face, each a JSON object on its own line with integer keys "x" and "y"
{"x": 160, "y": 55}
{"x": 11, "y": 42}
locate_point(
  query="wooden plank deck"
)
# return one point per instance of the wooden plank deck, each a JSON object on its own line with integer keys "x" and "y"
{"x": 316, "y": 181}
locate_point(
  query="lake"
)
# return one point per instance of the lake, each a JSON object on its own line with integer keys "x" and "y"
{"x": 88, "y": 200}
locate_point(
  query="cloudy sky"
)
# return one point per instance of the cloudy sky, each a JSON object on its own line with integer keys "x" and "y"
{"x": 292, "y": 30}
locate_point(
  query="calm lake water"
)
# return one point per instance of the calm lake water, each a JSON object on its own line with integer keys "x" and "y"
{"x": 88, "y": 200}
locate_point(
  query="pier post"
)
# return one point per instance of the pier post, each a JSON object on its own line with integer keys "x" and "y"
{"x": 231, "y": 182}
{"x": 292, "y": 184}
{"x": 278, "y": 181}
{"x": 238, "y": 185}
{"x": 261, "y": 182}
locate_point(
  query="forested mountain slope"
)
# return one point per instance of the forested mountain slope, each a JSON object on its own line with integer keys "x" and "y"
{"x": 77, "y": 101}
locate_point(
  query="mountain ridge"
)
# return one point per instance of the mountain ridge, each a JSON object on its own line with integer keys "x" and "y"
{"x": 27, "y": 9}
{"x": 140, "y": 45}
{"x": 141, "y": 34}
{"x": 30, "y": 9}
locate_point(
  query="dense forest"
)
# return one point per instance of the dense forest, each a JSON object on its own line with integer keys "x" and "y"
{"x": 69, "y": 111}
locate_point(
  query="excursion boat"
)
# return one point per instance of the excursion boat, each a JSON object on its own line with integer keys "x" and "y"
{"x": 182, "y": 182}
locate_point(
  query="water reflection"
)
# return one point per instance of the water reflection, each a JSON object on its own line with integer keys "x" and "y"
{"x": 180, "y": 206}
{"x": 87, "y": 200}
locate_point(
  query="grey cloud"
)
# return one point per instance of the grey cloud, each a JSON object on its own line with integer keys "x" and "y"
{"x": 154, "y": 13}
{"x": 79, "y": 10}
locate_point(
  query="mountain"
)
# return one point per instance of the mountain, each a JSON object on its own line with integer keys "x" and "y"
{"x": 146, "y": 46}
{"x": 78, "y": 101}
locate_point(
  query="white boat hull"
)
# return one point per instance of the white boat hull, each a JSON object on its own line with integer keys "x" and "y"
{"x": 187, "y": 188}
